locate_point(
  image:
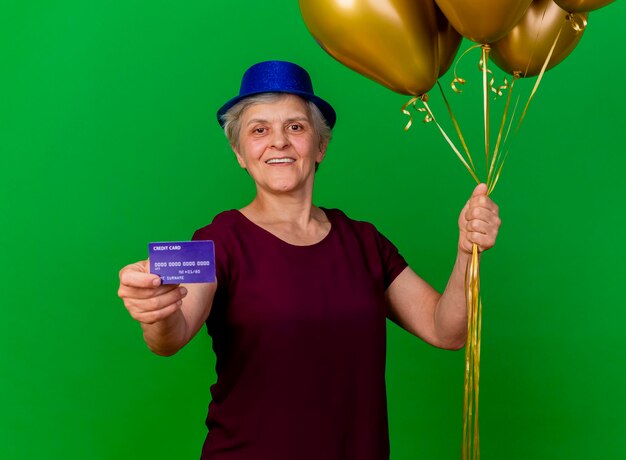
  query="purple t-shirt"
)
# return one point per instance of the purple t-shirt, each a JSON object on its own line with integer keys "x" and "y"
{"x": 299, "y": 336}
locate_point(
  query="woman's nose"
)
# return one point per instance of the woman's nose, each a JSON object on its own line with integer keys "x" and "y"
{"x": 279, "y": 139}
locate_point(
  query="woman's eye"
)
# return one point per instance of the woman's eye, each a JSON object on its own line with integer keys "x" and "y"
{"x": 259, "y": 130}
{"x": 295, "y": 127}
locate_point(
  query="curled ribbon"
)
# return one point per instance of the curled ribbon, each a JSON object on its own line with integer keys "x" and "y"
{"x": 503, "y": 87}
{"x": 460, "y": 81}
{"x": 497, "y": 90}
{"x": 405, "y": 111}
{"x": 428, "y": 116}
{"x": 457, "y": 79}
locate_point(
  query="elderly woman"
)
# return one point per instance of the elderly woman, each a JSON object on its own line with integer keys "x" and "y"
{"x": 298, "y": 313}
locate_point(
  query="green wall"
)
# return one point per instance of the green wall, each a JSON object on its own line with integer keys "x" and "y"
{"x": 108, "y": 141}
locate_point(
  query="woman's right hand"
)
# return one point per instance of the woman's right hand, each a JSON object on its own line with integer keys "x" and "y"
{"x": 146, "y": 299}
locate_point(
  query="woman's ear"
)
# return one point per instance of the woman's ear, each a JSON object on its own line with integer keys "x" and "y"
{"x": 322, "y": 152}
{"x": 240, "y": 158}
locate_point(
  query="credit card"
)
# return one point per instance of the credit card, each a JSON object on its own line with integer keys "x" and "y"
{"x": 183, "y": 261}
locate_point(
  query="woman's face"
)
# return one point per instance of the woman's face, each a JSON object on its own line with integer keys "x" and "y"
{"x": 278, "y": 145}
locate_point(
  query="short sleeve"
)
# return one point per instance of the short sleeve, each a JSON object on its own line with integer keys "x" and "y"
{"x": 393, "y": 262}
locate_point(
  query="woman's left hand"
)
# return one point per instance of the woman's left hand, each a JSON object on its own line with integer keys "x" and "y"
{"x": 479, "y": 221}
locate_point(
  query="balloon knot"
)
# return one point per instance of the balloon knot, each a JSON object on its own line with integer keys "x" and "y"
{"x": 577, "y": 21}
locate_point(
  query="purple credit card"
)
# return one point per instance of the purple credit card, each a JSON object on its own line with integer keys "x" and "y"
{"x": 183, "y": 261}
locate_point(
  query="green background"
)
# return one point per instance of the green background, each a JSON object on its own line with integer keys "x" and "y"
{"x": 108, "y": 141}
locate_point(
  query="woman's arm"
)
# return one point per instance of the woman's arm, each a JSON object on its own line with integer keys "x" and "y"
{"x": 441, "y": 319}
{"x": 170, "y": 315}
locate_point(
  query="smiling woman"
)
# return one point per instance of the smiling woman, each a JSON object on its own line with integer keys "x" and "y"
{"x": 278, "y": 144}
{"x": 298, "y": 313}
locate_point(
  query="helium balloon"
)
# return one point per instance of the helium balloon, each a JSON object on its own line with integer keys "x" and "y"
{"x": 483, "y": 21}
{"x": 581, "y": 6}
{"x": 393, "y": 42}
{"x": 525, "y": 48}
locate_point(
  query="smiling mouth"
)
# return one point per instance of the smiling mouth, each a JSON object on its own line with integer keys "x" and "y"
{"x": 275, "y": 161}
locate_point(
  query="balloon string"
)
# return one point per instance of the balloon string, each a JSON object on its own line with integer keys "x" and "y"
{"x": 492, "y": 80}
{"x": 466, "y": 381}
{"x": 496, "y": 178}
{"x": 536, "y": 40}
{"x": 475, "y": 344}
{"x": 468, "y": 370}
{"x": 457, "y": 127}
{"x": 517, "y": 75}
{"x": 485, "y": 57}
{"x": 490, "y": 189}
{"x": 497, "y": 153}
{"x": 475, "y": 286}
{"x": 539, "y": 78}
{"x": 431, "y": 117}
{"x": 471, "y": 438}
{"x": 578, "y": 22}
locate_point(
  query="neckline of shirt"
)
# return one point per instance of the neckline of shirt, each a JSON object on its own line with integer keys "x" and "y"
{"x": 280, "y": 240}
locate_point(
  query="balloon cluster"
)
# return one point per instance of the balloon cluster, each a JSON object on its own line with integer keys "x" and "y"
{"x": 406, "y": 45}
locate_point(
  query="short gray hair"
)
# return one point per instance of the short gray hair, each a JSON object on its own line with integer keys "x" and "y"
{"x": 232, "y": 118}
